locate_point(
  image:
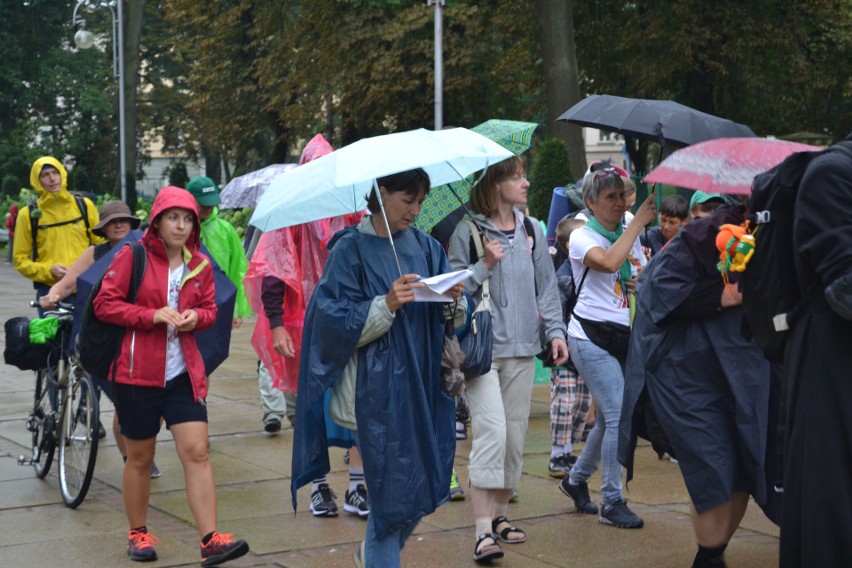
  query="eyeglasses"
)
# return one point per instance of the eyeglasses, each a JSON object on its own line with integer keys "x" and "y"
{"x": 520, "y": 178}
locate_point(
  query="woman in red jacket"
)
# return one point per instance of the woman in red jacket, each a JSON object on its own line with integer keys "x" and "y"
{"x": 159, "y": 371}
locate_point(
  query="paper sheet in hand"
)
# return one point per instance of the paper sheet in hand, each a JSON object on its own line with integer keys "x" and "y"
{"x": 437, "y": 286}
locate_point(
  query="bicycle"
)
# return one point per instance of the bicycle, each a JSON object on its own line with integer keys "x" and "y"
{"x": 65, "y": 415}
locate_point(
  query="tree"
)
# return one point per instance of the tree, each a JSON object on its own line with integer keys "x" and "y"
{"x": 550, "y": 170}
{"x": 561, "y": 79}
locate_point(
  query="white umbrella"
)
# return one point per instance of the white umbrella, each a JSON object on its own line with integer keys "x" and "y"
{"x": 338, "y": 183}
{"x": 245, "y": 190}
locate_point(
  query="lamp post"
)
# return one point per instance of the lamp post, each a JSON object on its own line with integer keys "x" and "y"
{"x": 84, "y": 39}
{"x": 439, "y": 67}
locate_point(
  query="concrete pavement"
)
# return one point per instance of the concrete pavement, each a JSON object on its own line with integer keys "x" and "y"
{"x": 252, "y": 472}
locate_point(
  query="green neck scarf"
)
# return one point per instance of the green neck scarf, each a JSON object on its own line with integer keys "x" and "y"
{"x": 626, "y": 273}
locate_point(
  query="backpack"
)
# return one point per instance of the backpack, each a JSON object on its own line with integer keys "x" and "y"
{"x": 34, "y": 225}
{"x": 99, "y": 343}
{"x": 772, "y": 297}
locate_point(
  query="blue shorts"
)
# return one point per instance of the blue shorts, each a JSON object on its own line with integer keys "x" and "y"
{"x": 140, "y": 408}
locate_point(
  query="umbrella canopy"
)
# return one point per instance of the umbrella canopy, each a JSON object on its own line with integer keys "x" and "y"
{"x": 213, "y": 342}
{"x": 724, "y": 165}
{"x": 338, "y": 183}
{"x": 442, "y": 202}
{"x": 245, "y": 190}
{"x": 648, "y": 119}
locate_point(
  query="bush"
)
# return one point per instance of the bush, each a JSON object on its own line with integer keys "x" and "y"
{"x": 239, "y": 218}
{"x": 11, "y": 185}
{"x": 178, "y": 176}
{"x": 551, "y": 169}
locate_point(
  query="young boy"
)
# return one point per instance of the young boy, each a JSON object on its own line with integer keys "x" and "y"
{"x": 703, "y": 204}
{"x": 569, "y": 397}
{"x": 673, "y": 216}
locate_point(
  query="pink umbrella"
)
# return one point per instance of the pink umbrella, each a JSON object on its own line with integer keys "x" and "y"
{"x": 723, "y": 165}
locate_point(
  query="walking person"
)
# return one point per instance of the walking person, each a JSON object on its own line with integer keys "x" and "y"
{"x": 159, "y": 371}
{"x": 379, "y": 352}
{"x": 11, "y": 218}
{"x": 606, "y": 256}
{"x": 522, "y": 285}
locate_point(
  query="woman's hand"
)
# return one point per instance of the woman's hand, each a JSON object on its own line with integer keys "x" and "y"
{"x": 631, "y": 285}
{"x": 647, "y": 212}
{"x": 456, "y": 291}
{"x": 48, "y": 300}
{"x": 402, "y": 291}
{"x": 493, "y": 252}
{"x": 560, "y": 351}
{"x": 731, "y": 296}
{"x": 188, "y": 321}
{"x": 167, "y": 316}
{"x": 282, "y": 342}
{"x": 236, "y": 323}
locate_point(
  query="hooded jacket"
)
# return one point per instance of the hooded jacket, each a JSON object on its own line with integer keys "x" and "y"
{"x": 142, "y": 360}
{"x": 223, "y": 244}
{"x": 522, "y": 286}
{"x": 61, "y": 244}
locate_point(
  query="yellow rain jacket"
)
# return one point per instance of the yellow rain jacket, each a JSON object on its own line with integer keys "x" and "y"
{"x": 62, "y": 235}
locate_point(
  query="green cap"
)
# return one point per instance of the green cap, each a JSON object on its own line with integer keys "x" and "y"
{"x": 204, "y": 190}
{"x": 701, "y": 197}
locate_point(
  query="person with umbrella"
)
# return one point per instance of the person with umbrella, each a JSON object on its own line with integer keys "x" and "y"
{"x": 159, "y": 371}
{"x": 380, "y": 352}
{"x": 523, "y": 294}
{"x": 116, "y": 223}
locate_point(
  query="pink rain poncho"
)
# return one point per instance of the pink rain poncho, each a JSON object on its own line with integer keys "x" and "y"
{"x": 295, "y": 255}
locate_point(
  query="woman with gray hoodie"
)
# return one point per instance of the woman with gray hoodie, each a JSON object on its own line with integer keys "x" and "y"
{"x": 523, "y": 292}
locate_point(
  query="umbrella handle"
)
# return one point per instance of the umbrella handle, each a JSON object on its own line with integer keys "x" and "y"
{"x": 387, "y": 225}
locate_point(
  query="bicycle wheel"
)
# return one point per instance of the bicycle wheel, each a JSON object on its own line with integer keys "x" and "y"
{"x": 78, "y": 440}
{"x": 41, "y": 423}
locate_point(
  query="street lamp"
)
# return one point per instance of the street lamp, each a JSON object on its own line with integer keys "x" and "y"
{"x": 84, "y": 39}
{"x": 439, "y": 71}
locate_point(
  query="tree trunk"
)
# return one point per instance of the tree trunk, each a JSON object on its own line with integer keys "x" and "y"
{"x": 555, "y": 21}
{"x": 132, "y": 39}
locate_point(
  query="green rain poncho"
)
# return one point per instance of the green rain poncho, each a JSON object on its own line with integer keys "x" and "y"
{"x": 223, "y": 242}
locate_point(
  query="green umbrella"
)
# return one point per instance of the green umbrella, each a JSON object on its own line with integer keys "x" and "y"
{"x": 442, "y": 200}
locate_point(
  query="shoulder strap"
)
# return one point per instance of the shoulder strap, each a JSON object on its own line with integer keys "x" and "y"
{"x": 476, "y": 239}
{"x": 140, "y": 262}
{"x": 32, "y": 206}
{"x": 528, "y": 227}
{"x": 84, "y": 210}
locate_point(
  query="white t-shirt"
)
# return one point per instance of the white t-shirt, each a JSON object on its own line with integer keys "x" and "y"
{"x": 175, "y": 364}
{"x": 602, "y": 298}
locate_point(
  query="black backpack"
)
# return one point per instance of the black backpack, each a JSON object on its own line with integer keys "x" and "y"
{"x": 772, "y": 297}
{"x": 99, "y": 343}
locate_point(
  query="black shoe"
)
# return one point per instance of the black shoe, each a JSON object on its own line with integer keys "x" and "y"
{"x": 272, "y": 425}
{"x": 101, "y": 431}
{"x": 322, "y": 502}
{"x": 356, "y": 501}
{"x": 580, "y": 494}
{"x": 618, "y": 515}
{"x": 559, "y": 466}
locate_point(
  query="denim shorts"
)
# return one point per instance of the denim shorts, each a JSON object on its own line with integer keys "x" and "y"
{"x": 140, "y": 408}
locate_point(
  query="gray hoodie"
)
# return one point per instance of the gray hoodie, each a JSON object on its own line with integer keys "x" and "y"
{"x": 515, "y": 308}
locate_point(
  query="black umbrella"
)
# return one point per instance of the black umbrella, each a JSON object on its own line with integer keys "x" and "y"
{"x": 213, "y": 343}
{"x": 659, "y": 121}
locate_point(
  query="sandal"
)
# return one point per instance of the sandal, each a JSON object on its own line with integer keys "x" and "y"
{"x": 484, "y": 553}
{"x": 504, "y": 534}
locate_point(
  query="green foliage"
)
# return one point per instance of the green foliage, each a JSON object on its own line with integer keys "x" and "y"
{"x": 11, "y": 185}
{"x": 178, "y": 175}
{"x": 550, "y": 170}
{"x": 239, "y": 218}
